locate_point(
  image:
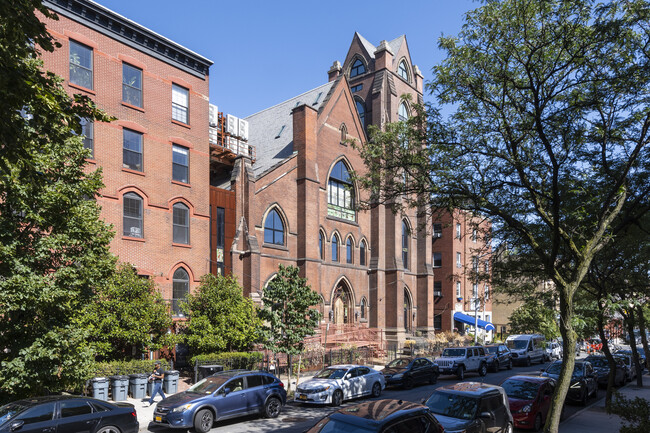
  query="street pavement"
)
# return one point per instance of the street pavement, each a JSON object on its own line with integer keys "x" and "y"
{"x": 298, "y": 418}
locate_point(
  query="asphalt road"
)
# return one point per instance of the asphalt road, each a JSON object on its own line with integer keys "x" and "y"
{"x": 298, "y": 418}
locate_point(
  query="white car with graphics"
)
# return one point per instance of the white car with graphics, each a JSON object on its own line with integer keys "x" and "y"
{"x": 332, "y": 385}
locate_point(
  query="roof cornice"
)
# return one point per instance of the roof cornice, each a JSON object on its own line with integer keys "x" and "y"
{"x": 114, "y": 25}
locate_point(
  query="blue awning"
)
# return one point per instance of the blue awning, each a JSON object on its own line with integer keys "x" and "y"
{"x": 469, "y": 320}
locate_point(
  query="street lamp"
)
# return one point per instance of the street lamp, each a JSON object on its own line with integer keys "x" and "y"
{"x": 476, "y": 301}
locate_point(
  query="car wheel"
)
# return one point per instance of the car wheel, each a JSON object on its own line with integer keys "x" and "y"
{"x": 337, "y": 398}
{"x": 203, "y": 421}
{"x": 482, "y": 370}
{"x": 408, "y": 383}
{"x": 538, "y": 422}
{"x": 433, "y": 379}
{"x": 495, "y": 367}
{"x": 109, "y": 429}
{"x": 509, "y": 365}
{"x": 376, "y": 390}
{"x": 272, "y": 408}
{"x": 528, "y": 362}
{"x": 460, "y": 372}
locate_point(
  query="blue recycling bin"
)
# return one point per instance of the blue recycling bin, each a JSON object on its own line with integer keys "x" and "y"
{"x": 99, "y": 387}
{"x": 119, "y": 387}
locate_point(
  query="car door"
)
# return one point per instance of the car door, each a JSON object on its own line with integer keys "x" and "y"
{"x": 232, "y": 399}
{"x": 255, "y": 394}
{"x": 417, "y": 368}
{"x": 497, "y": 407}
{"x": 77, "y": 416}
{"x": 545, "y": 397}
{"x": 39, "y": 419}
{"x": 365, "y": 380}
{"x": 353, "y": 382}
{"x": 590, "y": 378}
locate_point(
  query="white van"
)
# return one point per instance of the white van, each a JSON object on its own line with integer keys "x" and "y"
{"x": 527, "y": 348}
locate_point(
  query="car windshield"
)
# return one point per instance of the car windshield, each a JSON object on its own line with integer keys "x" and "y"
{"x": 453, "y": 405}
{"x": 331, "y": 373}
{"x": 9, "y": 411}
{"x": 492, "y": 349}
{"x": 329, "y": 425}
{"x": 453, "y": 352}
{"x": 517, "y": 344}
{"x": 399, "y": 362}
{"x": 556, "y": 367}
{"x": 626, "y": 359}
{"x": 521, "y": 389}
{"x": 598, "y": 361}
{"x": 208, "y": 385}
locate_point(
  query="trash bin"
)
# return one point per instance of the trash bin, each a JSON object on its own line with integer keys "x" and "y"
{"x": 138, "y": 385}
{"x": 119, "y": 387}
{"x": 99, "y": 386}
{"x": 170, "y": 382}
{"x": 209, "y": 370}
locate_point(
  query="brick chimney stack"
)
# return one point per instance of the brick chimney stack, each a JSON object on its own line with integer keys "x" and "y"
{"x": 383, "y": 57}
{"x": 334, "y": 71}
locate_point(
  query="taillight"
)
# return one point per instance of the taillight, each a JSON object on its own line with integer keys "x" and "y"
{"x": 281, "y": 384}
{"x": 134, "y": 415}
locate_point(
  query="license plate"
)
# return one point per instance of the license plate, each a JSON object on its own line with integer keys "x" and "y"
{"x": 158, "y": 418}
{"x": 302, "y": 397}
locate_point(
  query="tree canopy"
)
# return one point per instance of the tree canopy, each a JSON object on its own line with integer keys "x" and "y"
{"x": 53, "y": 245}
{"x": 534, "y": 317}
{"x": 548, "y": 136}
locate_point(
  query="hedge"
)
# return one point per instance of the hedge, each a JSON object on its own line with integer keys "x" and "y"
{"x": 103, "y": 369}
{"x": 230, "y": 360}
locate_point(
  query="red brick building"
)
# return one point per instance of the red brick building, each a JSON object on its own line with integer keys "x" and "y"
{"x": 155, "y": 156}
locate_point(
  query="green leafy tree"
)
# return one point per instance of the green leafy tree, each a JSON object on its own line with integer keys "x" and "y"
{"x": 127, "y": 317}
{"x": 287, "y": 312}
{"x": 220, "y": 317}
{"x": 54, "y": 249}
{"x": 535, "y": 317}
{"x": 547, "y": 136}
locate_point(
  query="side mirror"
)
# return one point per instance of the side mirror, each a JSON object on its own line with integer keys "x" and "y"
{"x": 486, "y": 415}
{"x": 17, "y": 425}
{"x": 347, "y": 376}
{"x": 225, "y": 391}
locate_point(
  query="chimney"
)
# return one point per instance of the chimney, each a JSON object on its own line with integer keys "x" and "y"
{"x": 383, "y": 57}
{"x": 334, "y": 71}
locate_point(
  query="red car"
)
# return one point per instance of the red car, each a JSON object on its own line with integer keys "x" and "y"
{"x": 530, "y": 399}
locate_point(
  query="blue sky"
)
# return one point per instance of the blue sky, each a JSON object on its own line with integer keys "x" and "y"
{"x": 265, "y": 52}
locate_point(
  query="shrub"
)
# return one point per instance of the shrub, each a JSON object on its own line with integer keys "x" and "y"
{"x": 635, "y": 412}
{"x": 230, "y": 360}
{"x": 104, "y": 369}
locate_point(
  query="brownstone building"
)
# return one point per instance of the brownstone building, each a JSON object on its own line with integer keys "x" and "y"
{"x": 295, "y": 203}
{"x": 155, "y": 156}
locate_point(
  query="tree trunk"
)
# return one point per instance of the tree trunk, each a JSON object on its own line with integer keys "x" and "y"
{"x": 608, "y": 355}
{"x": 569, "y": 348}
{"x": 629, "y": 321}
{"x": 642, "y": 331}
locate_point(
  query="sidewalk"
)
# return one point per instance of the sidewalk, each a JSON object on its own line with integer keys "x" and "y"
{"x": 594, "y": 419}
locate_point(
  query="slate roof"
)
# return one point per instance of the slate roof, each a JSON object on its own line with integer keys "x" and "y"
{"x": 394, "y": 45}
{"x": 271, "y": 130}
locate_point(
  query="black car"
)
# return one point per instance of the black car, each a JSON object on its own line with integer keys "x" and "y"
{"x": 630, "y": 368}
{"x": 583, "y": 381}
{"x": 406, "y": 372}
{"x": 498, "y": 356}
{"x": 471, "y": 407}
{"x": 384, "y": 416}
{"x": 601, "y": 368}
{"x": 69, "y": 414}
{"x": 641, "y": 354}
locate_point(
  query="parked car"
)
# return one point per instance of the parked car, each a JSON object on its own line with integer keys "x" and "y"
{"x": 529, "y": 398}
{"x": 583, "y": 380}
{"x": 406, "y": 372}
{"x": 630, "y": 368}
{"x": 335, "y": 384}
{"x": 553, "y": 351}
{"x": 384, "y": 416}
{"x": 69, "y": 414}
{"x": 527, "y": 348}
{"x": 471, "y": 407}
{"x": 459, "y": 360}
{"x": 641, "y": 354}
{"x": 601, "y": 368}
{"x": 224, "y": 395}
{"x": 498, "y": 355}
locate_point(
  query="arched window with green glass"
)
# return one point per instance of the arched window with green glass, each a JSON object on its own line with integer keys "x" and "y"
{"x": 340, "y": 201}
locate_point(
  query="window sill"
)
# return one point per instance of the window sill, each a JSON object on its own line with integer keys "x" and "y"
{"x": 128, "y": 170}
{"x": 135, "y": 107}
{"x": 275, "y": 247}
{"x": 83, "y": 89}
{"x": 131, "y": 238}
{"x": 343, "y": 220}
{"x": 186, "y": 185}
{"x": 174, "y": 244}
{"x": 184, "y": 125}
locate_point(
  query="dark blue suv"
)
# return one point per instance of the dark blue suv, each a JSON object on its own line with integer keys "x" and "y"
{"x": 224, "y": 395}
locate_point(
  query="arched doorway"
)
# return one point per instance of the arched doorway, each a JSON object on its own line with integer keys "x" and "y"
{"x": 342, "y": 304}
{"x": 407, "y": 310}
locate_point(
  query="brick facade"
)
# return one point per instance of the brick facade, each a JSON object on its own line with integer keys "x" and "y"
{"x": 114, "y": 42}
